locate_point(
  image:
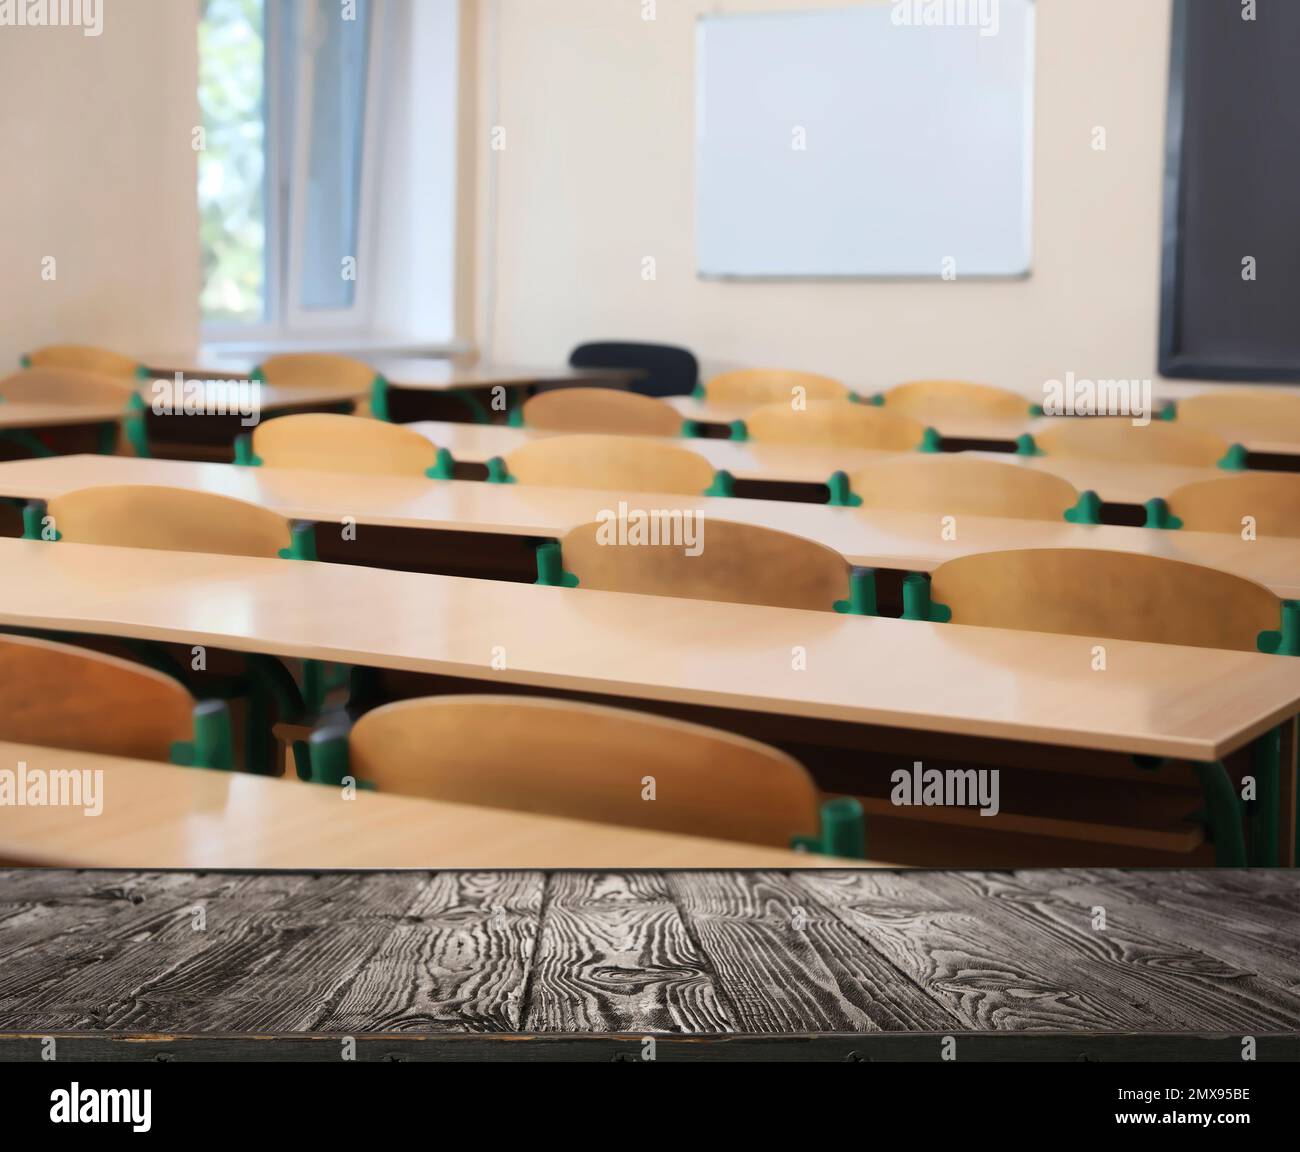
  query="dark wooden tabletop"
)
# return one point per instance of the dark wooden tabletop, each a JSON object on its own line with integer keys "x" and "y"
{"x": 669, "y": 954}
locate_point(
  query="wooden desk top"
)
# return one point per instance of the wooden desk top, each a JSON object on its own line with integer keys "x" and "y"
{"x": 161, "y": 816}
{"x": 1115, "y": 483}
{"x": 21, "y": 415}
{"x": 870, "y": 538}
{"x": 1160, "y": 700}
{"x": 418, "y": 374}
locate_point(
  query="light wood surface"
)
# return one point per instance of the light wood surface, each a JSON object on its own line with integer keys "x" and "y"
{"x": 56, "y": 397}
{"x": 1243, "y": 414}
{"x": 1279, "y": 436}
{"x": 159, "y": 816}
{"x": 1270, "y": 499}
{"x": 586, "y": 762}
{"x": 66, "y": 386}
{"x": 353, "y": 445}
{"x": 175, "y": 519}
{"x": 416, "y": 374}
{"x": 317, "y": 369}
{"x": 959, "y": 484}
{"x": 1120, "y": 440}
{"x": 738, "y": 563}
{"x": 834, "y": 424}
{"x": 1154, "y": 699}
{"x": 872, "y": 537}
{"x": 605, "y": 410}
{"x": 932, "y": 401}
{"x": 85, "y": 358}
{"x": 770, "y": 385}
{"x": 611, "y": 462}
{"x": 1114, "y": 482}
{"x": 1095, "y": 593}
{"x": 67, "y": 697}
{"x": 29, "y": 416}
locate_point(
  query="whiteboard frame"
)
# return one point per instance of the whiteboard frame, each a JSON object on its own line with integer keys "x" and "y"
{"x": 1031, "y": 80}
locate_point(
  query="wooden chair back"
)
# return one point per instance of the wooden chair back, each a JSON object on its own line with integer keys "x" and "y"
{"x": 736, "y": 563}
{"x": 1120, "y": 595}
{"x": 1271, "y": 501}
{"x": 931, "y": 400}
{"x": 586, "y": 762}
{"x": 629, "y": 463}
{"x": 327, "y": 442}
{"x": 955, "y": 484}
{"x": 1265, "y": 413}
{"x": 601, "y": 410}
{"x": 59, "y": 696}
{"x": 770, "y": 385}
{"x": 170, "y": 519}
{"x": 317, "y": 369}
{"x": 83, "y": 358}
{"x": 834, "y": 423}
{"x": 1118, "y": 439}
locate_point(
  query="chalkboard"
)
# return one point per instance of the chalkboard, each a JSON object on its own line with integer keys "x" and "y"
{"x": 1230, "y": 299}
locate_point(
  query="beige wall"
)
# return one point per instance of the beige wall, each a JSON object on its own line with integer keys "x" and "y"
{"x": 99, "y": 173}
{"x": 598, "y": 173}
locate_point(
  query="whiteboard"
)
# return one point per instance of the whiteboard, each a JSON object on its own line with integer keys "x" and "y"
{"x": 917, "y": 142}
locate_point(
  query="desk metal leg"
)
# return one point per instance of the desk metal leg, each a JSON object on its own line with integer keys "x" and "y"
{"x": 1223, "y": 814}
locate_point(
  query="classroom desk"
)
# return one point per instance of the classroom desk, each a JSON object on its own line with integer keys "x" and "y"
{"x": 781, "y": 463}
{"x": 1154, "y": 700}
{"x": 160, "y": 816}
{"x": 1280, "y": 442}
{"x": 873, "y": 538}
{"x": 24, "y": 416}
{"x": 424, "y": 375}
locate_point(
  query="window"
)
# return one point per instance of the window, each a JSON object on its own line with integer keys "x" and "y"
{"x": 287, "y": 93}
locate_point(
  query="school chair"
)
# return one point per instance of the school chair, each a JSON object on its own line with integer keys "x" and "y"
{"x": 85, "y": 358}
{"x": 954, "y": 484}
{"x": 1266, "y": 414}
{"x": 1118, "y": 439}
{"x": 353, "y": 378}
{"x": 71, "y": 387}
{"x": 1259, "y": 503}
{"x": 314, "y": 369}
{"x": 767, "y": 386}
{"x": 327, "y": 442}
{"x": 60, "y": 696}
{"x": 931, "y": 400}
{"x": 664, "y": 370}
{"x": 674, "y": 553}
{"x": 1125, "y": 596}
{"x": 834, "y": 424}
{"x": 589, "y": 762}
{"x": 601, "y": 410}
{"x": 630, "y": 463}
{"x": 181, "y": 520}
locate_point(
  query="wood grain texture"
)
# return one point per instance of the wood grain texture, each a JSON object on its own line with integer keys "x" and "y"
{"x": 411, "y": 955}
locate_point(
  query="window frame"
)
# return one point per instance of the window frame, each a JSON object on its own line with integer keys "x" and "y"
{"x": 287, "y": 31}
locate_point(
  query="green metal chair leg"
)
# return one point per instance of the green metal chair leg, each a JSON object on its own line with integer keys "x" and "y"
{"x": 1265, "y": 823}
{"x": 1223, "y": 815}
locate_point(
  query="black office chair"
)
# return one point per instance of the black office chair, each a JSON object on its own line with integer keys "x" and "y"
{"x": 668, "y": 371}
